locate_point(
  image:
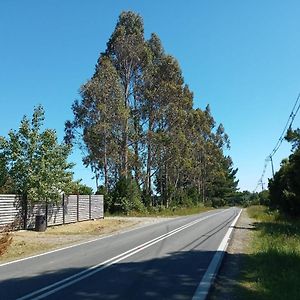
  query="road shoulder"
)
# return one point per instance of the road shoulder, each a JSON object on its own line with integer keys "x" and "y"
{"x": 226, "y": 285}
{"x": 30, "y": 243}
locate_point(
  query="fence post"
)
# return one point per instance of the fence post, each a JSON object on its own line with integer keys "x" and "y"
{"x": 90, "y": 207}
{"x": 46, "y": 213}
{"x": 77, "y": 207}
{"x": 63, "y": 207}
{"x": 25, "y": 211}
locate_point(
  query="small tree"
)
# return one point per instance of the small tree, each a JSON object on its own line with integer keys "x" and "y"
{"x": 36, "y": 162}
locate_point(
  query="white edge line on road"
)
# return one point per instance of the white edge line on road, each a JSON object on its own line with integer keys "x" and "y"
{"x": 83, "y": 243}
{"x": 213, "y": 268}
{"x": 52, "y": 288}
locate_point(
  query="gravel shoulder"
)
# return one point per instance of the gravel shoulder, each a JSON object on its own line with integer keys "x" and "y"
{"x": 226, "y": 286}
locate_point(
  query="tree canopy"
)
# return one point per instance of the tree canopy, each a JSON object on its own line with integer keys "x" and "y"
{"x": 137, "y": 123}
{"x": 285, "y": 186}
{"x": 34, "y": 160}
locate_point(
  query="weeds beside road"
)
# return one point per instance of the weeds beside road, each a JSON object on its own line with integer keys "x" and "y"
{"x": 263, "y": 260}
{"x": 273, "y": 268}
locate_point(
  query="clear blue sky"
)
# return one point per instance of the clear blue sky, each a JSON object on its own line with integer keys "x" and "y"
{"x": 241, "y": 57}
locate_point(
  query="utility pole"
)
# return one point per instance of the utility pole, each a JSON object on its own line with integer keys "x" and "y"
{"x": 262, "y": 184}
{"x": 272, "y": 165}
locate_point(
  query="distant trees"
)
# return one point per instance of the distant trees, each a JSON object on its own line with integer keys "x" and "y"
{"x": 77, "y": 188}
{"x": 141, "y": 134}
{"x": 33, "y": 162}
{"x": 285, "y": 186}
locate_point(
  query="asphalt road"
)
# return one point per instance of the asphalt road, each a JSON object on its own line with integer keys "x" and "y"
{"x": 166, "y": 260}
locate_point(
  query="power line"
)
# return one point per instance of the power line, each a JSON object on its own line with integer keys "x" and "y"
{"x": 287, "y": 126}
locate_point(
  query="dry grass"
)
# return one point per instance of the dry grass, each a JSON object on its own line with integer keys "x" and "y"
{"x": 5, "y": 241}
{"x": 97, "y": 227}
{"x": 5, "y": 238}
{"x": 25, "y": 243}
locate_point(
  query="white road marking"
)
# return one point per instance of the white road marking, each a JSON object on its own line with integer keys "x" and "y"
{"x": 59, "y": 285}
{"x": 210, "y": 274}
{"x": 78, "y": 244}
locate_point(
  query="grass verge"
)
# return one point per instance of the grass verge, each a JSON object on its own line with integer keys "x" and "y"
{"x": 272, "y": 268}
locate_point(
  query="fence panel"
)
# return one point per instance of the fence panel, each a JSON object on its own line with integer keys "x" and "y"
{"x": 71, "y": 209}
{"x": 83, "y": 207}
{"x": 10, "y": 210}
{"x": 55, "y": 214}
{"x": 97, "y": 207}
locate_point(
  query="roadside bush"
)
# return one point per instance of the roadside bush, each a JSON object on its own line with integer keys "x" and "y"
{"x": 285, "y": 186}
{"x": 182, "y": 199}
{"x": 126, "y": 197}
{"x": 264, "y": 198}
{"x": 208, "y": 203}
{"x": 146, "y": 199}
{"x": 217, "y": 202}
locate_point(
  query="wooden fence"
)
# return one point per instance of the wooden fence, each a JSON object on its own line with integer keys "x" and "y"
{"x": 70, "y": 209}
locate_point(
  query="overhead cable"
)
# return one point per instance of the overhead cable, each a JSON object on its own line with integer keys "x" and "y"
{"x": 287, "y": 126}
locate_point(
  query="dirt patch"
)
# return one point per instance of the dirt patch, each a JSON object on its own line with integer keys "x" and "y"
{"x": 226, "y": 286}
{"x": 27, "y": 243}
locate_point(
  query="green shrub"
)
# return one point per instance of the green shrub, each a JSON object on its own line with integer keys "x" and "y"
{"x": 127, "y": 196}
{"x": 218, "y": 202}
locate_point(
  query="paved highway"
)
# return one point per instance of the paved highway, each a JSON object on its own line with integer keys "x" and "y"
{"x": 166, "y": 260}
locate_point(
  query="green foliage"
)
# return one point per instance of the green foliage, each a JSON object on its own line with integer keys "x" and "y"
{"x": 218, "y": 202}
{"x": 136, "y": 119}
{"x": 244, "y": 199}
{"x": 264, "y": 198}
{"x": 127, "y": 196}
{"x": 36, "y": 163}
{"x": 100, "y": 116}
{"x": 3, "y": 170}
{"x": 6, "y": 183}
{"x": 76, "y": 187}
{"x": 272, "y": 265}
{"x": 285, "y": 186}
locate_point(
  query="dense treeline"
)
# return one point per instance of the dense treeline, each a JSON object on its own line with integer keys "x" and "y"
{"x": 142, "y": 137}
{"x": 284, "y": 188}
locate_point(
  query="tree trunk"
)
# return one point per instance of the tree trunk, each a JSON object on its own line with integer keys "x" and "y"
{"x": 105, "y": 164}
{"x": 137, "y": 173}
{"x": 148, "y": 172}
{"x": 125, "y": 136}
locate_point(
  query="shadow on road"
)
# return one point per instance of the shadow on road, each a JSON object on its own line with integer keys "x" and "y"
{"x": 175, "y": 276}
